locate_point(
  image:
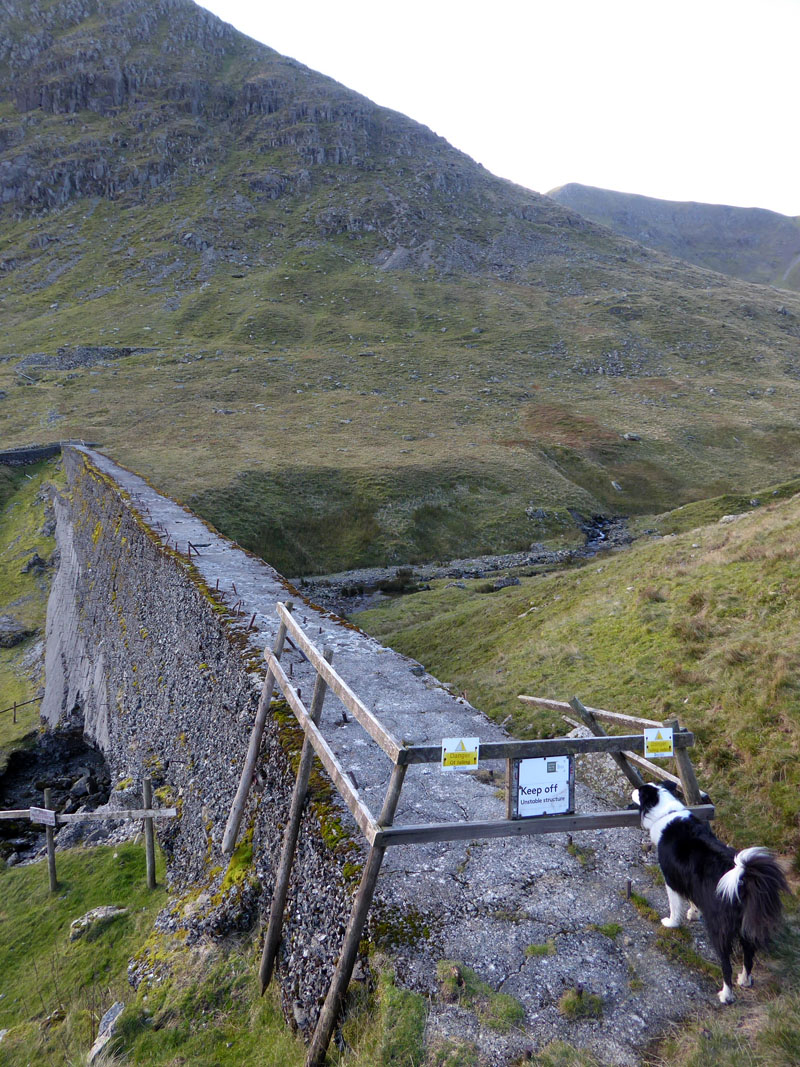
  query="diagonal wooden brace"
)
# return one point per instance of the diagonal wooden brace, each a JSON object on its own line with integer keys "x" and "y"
{"x": 281, "y": 890}
{"x": 586, "y": 716}
{"x": 246, "y": 781}
{"x": 334, "y": 1000}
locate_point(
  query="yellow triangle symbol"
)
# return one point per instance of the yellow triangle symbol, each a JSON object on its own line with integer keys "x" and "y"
{"x": 460, "y": 747}
{"x": 659, "y": 737}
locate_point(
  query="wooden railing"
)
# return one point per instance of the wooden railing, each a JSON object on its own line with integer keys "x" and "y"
{"x": 380, "y": 833}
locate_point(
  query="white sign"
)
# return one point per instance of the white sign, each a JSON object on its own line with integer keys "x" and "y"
{"x": 460, "y": 753}
{"x": 544, "y": 786}
{"x": 658, "y": 743}
{"x": 42, "y": 815}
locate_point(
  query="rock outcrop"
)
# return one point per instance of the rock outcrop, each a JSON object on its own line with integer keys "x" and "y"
{"x": 124, "y": 98}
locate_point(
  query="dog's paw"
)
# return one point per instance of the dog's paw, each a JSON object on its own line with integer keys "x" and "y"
{"x": 671, "y": 923}
{"x": 725, "y": 995}
{"x": 744, "y": 979}
{"x": 693, "y": 913}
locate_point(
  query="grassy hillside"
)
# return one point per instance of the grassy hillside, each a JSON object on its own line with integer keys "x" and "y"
{"x": 338, "y": 337}
{"x": 426, "y": 442}
{"x": 23, "y": 594}
{"x": 701, "y": 625}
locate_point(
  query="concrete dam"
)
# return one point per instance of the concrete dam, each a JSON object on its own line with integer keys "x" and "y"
{"x": 156, "y": 632}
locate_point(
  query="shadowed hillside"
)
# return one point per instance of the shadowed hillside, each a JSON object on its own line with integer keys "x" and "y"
{"x": 749, "y": 243}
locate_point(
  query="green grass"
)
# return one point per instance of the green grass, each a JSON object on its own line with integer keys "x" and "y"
{"x": 461, "y": 984}
{"x": 578, "y": 1004}
{"x": 48, "y": 977}
{"x": 384, "y": 1028}
{"x": 702, "y": 627}
{"x": 702, "y": 512}
{"x": 612, "y": 930}
{"x": 209, "y": 1013}
{"x": 764, "y": 1032}
{"x": 548, "y": 948}
{"x": 24, "y": 596}
{"x": 199, "y": 1005}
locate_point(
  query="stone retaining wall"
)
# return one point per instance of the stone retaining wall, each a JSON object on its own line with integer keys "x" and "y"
{"x": 17, "y": 457}
{"x": 166, "y": 682}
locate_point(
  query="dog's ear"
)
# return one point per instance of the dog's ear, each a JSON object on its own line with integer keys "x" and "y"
{"x": 672, "y": 788}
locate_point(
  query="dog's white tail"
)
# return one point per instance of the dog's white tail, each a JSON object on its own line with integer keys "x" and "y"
{"x": 729, "y": 885}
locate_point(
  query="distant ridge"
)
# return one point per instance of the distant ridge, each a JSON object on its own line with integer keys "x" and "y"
{"x": 750, "y": 243}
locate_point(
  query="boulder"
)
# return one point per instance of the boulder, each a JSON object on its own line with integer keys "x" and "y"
{"x": 35, "y": 564}
{"x": 106, "y": 1030}
{"x": 504, "y": 583}
{"x": 13, "y": 631}
{"x": 93, "y": 921}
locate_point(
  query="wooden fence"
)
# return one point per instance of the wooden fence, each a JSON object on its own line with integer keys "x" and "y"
{"x": 50, "y": 819}
{"x": 18, "y": 704}
{"x": 379, "y": 831}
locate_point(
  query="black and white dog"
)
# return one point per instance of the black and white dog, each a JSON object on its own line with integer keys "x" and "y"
{"x": 737, "y": 893}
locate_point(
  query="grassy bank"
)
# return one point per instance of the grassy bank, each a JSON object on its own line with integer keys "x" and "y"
{"x": 23, "y": 592}
{"x": 198, "y": 1005}
{"x": 702, "y": 625}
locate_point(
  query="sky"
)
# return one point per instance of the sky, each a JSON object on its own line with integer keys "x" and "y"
{"x": 678, "y": 99}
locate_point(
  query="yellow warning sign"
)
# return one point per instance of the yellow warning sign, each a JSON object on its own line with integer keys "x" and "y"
{"x": 658, "y": 742}
{"x": 460, "y": 753}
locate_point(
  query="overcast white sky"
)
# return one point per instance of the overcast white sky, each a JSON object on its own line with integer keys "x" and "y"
{"x": 680, "y": 99}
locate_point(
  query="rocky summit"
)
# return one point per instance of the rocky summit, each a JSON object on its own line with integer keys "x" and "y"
{"x": 342, "y": 340}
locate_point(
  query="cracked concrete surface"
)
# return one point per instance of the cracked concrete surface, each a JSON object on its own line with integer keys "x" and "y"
{"x": 480, "y": 903}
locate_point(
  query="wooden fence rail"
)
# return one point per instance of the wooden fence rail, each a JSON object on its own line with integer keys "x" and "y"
{"x": 50, "y": 819}
{"x": 380, "y": 833}
{"x": 19, "y": 704}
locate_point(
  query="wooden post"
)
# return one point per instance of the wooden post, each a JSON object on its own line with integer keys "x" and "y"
{"x": 281, "y": 889}
{"x": 630, "y": 773}
{"x": 509, "y": 776}
{"x": 692, "y": 793}
{"x": 246, "y": 781}
{"x": 344, "y": 968}
{"x": 51, "y": 844}
{"x": 332, "y": 1007}
{"x": 149, "y": 836}
{"x": 386, "y": 817}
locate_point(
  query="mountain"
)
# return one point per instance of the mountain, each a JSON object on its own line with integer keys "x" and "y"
{"x": 339, "y": 338}
{"x": 749, "y": 243}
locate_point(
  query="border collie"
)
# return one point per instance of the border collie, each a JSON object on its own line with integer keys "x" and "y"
{"x": 737, "y": 893}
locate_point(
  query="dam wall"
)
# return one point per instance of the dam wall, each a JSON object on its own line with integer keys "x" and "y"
{"x": 164, "y": 678}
